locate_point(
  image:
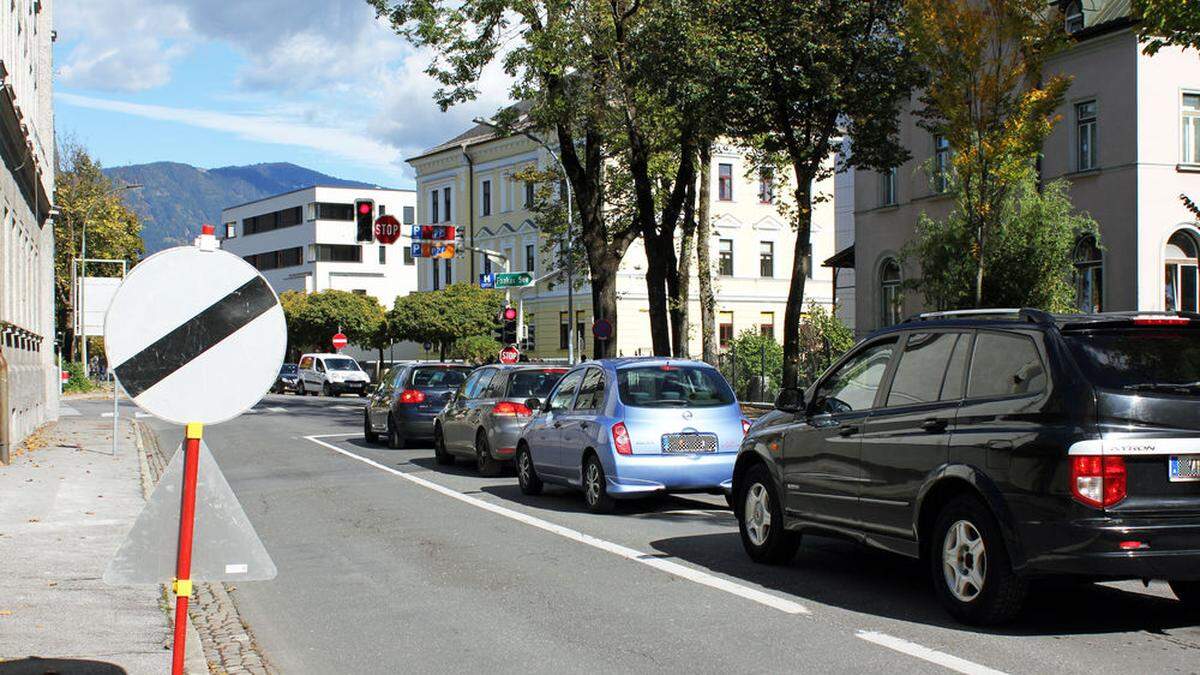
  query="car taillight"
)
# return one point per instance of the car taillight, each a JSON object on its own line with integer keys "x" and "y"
{"x": 1160, "y": 321}
{"x": 621, "y": 439}
{"x": 745, "y": 427}
{"x": 412, "y": 396}
{"x": 510, "y": 409}
{"x": 1098, "y": 480}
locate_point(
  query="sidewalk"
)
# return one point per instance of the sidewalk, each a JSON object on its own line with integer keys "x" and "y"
{"x": 65, "y": 507}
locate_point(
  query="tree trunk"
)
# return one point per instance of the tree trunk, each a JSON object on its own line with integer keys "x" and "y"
{"x": 604, "y": 302}
{"x": 681, "y": 296}
{"x": 800, "y": 265}
{"x": 708, "y": 303}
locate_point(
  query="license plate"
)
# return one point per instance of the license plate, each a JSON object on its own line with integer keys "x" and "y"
{"x": 689, "y": 443}
{"x": 1184, "y": 467}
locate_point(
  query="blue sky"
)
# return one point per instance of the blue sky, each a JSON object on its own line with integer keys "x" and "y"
{"x": 320, "y": 83}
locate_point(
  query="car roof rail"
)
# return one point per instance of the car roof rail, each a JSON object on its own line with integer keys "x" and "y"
{"x": 1029, "y": 314}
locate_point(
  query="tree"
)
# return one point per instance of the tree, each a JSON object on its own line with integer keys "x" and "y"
{"x": 1029, "y": 260}
{"x": 475, "y": 349}
{"x": 443, "y": 317}
{"x": 987, "y": 97}
{"x": 1168, "y": 22}
{"x": 811, "y": 71}
{"x": 82, "y": 193}
{"x": 312, "y": 319}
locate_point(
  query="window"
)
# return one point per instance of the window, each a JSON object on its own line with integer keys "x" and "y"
{"x": 530, "y": 333}
{"x": 437, "y": 282}
{"x": 853, "y": 385}
{"x": 288, "y": 257}
{"x": 524, "y": 384}
{"x": 410, "y": 215}
{"x": 528, "y": 194}
{"x": 766, "y": 324}
{"x": 766, "y": 259}
{"x": 487, "y": 264}
{"x": 887, "y": 187}
{"x": 725, "y": 257}
{"x": 1085, "y": 135}
{"x": 1089, "y": 276}
{"x": 530, "y": 259}
{"x": 566, "y": 391}
{"x": 725, "y": 329}
{"x": 449, "y": 271}
{"x": 274, "y": 220}
{"x": 674, "y": 386}
{"x": 1005, "y": 365}
{"x": 1190, "y": 117}
{"x": 433, "y": 207}
{"x": 408, "y": 257}
{"x": 941, "y": 163}
{"x": 922, "y": 368}
{"x": 382, "y": 209}
{"x": 956, "y": 373}
{"x": 485, "y": 195}
{"x": 564, "y": 331}
{"x": 446, "y": 205}
{"x": 591, "y": 392}
{"x": 891, "y": 299}
{"x": 1073, "y": 17}
{"x": 766, "y": 186}
{"x": 327, "y": 211}
{"x": 468, "y": 388}
{"x": 382, "y": 254}
{"x": 1180, "y": 282}
{"x": 579, "y": 329}
{"x": 336, "y": 252}
{"x": 725, "y": 182}
{"x": 1120, "y": 356}
{"x": 230, "y": 230}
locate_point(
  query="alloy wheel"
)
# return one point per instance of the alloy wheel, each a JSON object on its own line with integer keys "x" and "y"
{"x": 964, "y": 561}
{"x": 523, "y": 468}
{"x": 757, "y": 514}
{"x": 592, "y": 485}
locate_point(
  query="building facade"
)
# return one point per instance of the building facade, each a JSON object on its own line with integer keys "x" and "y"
{"x": 472, "y": 181}
{"x": 28, "y": 374}
{"x": 1129, "y": 145}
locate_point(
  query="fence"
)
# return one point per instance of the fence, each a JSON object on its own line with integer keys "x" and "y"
{"x": 755, "y": 376}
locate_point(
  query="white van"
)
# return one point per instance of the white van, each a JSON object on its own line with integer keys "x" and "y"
{"x": 332, "y": 375}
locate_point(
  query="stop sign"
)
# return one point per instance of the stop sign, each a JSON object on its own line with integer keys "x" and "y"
{"x": 387, "y": 229}
{"x": 339, "y": 341}
{"x": 509, "y": 355}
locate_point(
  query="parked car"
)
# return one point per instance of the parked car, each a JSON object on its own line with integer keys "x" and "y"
{"x": 332, "y": 375}
{"x": 998, "y": 446}
{"x": 620, "y": 428}
{"x": 288, "y": 379}
{"x": 407, "y": 400}
{"x": 486, "y": 415}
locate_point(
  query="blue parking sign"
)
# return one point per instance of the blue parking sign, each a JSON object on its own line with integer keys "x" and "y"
{"x": 416, "y": 250}
{"x": 487, "y": 280}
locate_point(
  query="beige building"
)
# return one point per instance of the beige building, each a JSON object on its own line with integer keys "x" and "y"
{"x": 1129, "y": 144}
{"x": 469, "y": 182}
{"x": 28, "y": 376}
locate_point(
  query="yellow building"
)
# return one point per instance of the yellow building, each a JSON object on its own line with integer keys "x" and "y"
{"x": 469, "y": 181}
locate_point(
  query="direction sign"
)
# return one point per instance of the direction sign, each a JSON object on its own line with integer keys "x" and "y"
{"x": 602, "y": 329}
{"x": 387, "y": 229}
{"x": 197, "y": 335}
{"x": 513, "y": 279}
{"x": 339, "y": 341}
{"x": 509, "y": 355}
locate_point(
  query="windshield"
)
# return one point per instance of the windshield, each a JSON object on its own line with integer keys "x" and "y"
{"x": 439, "y": 378}
{"x": 288, "y": 369}
{"x": 1139, "y": 358}
{"x": 670, "y": 386}
{"x": 533, "y": 383}
{"x": 341, "y": 364}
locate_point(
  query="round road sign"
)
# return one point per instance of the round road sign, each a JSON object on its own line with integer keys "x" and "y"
{"x": 509, "y": 355}
{"x": 387, "y": 229}
{"x": 339, "y": 341}
{"x": 197, "y": 336}
{"x": 602, "y": 329}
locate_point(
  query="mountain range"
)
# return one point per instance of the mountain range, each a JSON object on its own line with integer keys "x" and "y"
{"x": 177, "y": 198}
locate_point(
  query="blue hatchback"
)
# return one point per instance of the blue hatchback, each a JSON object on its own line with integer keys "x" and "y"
{"x": 619, "y": 428}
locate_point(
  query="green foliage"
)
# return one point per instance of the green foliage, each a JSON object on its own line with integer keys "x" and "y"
{"x": 445, "y": 316}
{"x": 1168, "y": 22}
{"x": 823, "y": 339}
{"x": 751, "y": 355}
{"x": 475, "y": 349}
{"x": 79, "y": 383}
{"x": 1027, "y": 264}
{"x": 312, "y": 319}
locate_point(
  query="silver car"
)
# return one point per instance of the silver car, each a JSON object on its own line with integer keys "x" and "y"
{"x": 485, "y": 416}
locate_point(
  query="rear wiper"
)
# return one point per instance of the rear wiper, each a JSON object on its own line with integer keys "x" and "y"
{"x": 1187, "y": 387}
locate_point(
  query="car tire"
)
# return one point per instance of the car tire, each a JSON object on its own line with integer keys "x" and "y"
{"x": 1188, "y": 593}
{"x": 970, "y": 565}
{"x": 439, "y": 447}
{"x": 395, "y": 440}
{"x": 527, "y": 478}
{"x": 371, "y": 437}
{"x": 760, "y": 519}
{"x": 595, "y": 486}
{"x": 325, "y": 390}
{"x": 730, "y": 501}
{"x": 484, "y": 462}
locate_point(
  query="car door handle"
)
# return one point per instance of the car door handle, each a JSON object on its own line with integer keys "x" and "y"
{"x": 999, "y": 445}
{"x": 847, "y": 430}
{"x": 935, "y": 424}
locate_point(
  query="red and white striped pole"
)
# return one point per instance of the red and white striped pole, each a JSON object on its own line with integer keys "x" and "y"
{"x": 182, "y": 585}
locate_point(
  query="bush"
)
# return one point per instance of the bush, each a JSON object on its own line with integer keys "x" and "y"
{"x": 476, "y": 349}
{"x": 78, "y": 382}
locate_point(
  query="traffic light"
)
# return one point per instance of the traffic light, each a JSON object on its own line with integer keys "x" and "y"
{"x": 506, "y": 332}
{"x": 364, "y": 219}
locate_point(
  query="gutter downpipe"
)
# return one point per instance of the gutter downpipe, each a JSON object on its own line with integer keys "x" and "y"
{"x": 470, "y": 208}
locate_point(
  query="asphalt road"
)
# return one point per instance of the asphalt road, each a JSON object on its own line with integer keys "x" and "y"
{"x": 389, "y": 563}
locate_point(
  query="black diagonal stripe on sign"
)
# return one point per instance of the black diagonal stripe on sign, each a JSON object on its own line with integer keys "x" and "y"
{"x": 196, "y": 336}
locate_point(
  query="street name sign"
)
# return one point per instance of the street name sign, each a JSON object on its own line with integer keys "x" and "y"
{"x": 387, "y": 229}
{"x": 512, "y": 279}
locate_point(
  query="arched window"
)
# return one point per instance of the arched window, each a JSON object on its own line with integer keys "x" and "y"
{"x": 891, "y": 298}
{"x": 1180, "y": 282}
{"x": 1089, "y": 276}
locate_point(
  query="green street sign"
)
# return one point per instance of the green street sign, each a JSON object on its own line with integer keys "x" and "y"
{"x": 513, "y": 279}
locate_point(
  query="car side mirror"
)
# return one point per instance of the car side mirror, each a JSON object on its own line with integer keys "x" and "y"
{"x": 534, "y": 404}
{"x": 790, "y": 399}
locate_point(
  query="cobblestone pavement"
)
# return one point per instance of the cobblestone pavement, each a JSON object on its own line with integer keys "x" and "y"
{"x": 229, "y": 645}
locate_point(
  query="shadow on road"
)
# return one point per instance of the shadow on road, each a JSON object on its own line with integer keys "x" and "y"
{"x": 859, "y": 579}
{"x": 34, "y": 665}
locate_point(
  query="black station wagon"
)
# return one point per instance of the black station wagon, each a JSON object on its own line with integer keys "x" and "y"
{"x": 998, "y": 446}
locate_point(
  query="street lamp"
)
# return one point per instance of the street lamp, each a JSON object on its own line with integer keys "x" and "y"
{"x": 83, "y": 271}
{"x": 570, "y": 275}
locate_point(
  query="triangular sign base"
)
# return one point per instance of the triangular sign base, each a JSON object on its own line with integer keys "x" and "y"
{"x": 225, "y": 546}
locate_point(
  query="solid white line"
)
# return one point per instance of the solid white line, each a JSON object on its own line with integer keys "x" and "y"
{"x": 926, "y": 654}
{"x": 107, "y": 414}
{"x": 277, "y": 409}
{"x": 670, "y": 567}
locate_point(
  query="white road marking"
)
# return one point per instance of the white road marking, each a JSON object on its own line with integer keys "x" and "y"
{"x": 913, "y": 649}
{"x": 347, "y": 407}
{"x": 277, "y": 409}
{"x": 107, "y": 414}
{"x": 67, "y": 411}
{"x": 670, "y": 567}
{"x": 139, "y": 414}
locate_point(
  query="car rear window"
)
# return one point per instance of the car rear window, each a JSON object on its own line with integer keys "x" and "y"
{"x": 533, "y": 383}
{"x": 288, "y": 369}
{"x": 439, "y": 378}
{"x": 671, "y": 386}
{"x": 1147, "y": 358}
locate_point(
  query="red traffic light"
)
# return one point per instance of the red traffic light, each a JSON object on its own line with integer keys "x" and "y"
{"x": 509, "y": 314}
{"x": 364, "y": 207}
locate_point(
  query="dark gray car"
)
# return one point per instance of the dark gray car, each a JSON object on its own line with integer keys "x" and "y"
{"x": 408, "y": 397}
{"x": 485, "y": 416}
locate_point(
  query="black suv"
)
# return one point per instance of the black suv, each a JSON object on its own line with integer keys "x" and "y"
{"x": 998, "y": 446}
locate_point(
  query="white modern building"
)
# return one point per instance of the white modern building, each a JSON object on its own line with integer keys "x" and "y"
{"x": 28, "y": 375}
